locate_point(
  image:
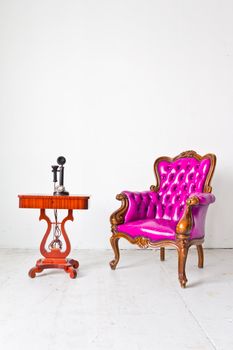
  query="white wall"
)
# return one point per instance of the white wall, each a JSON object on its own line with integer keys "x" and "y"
{"x": 111, "y": 85}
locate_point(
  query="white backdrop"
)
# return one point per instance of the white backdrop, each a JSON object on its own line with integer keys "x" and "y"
{"x": 111, "y": 85}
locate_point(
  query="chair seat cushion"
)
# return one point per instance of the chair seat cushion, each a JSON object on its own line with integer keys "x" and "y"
{"x": 154, "y": 229}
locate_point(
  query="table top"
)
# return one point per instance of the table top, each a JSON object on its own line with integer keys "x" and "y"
{"x": 44, "y": 201}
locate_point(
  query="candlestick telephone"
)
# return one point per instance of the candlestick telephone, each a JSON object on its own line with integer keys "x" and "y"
{"x": 59, "y": 188}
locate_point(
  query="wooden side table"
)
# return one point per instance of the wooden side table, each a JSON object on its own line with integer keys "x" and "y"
{"x": 54, "y": 256}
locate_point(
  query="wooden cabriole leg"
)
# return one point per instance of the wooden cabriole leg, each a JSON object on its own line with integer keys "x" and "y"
{"x": 114, "y": 243}
{"x": 162, "y": 253}
{"x": 183, "y": 248}
{"x": 200, "y": 256}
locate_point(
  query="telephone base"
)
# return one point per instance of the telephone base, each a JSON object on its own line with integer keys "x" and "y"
{"x": 63, "y": 193}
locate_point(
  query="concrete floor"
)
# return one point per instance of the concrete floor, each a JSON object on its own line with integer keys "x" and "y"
{"x": 139, "y": 306}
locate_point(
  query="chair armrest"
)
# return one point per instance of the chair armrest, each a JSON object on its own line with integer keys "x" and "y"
{"x": 202, "y": 198}
{"x": 134, "y": 206}
{"x": 191, "y": 217}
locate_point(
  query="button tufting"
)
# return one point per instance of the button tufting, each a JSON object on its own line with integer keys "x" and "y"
{"x": 178, "y": 180}
{"x": 171, "y": 177}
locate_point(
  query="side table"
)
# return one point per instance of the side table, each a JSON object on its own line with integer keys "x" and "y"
{"x": 54, "y": 256}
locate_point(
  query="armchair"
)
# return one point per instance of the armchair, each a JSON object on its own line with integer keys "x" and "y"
{"x": 172, "y": 213}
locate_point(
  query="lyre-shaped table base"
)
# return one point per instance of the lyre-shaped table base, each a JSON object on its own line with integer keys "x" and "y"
{"x": 55, "y": 258}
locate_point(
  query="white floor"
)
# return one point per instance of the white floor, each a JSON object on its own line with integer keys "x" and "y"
{"x": 139, "y": 306}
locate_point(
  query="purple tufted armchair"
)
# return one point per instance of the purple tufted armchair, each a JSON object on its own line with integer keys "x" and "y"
{"x": 172, "y": 213}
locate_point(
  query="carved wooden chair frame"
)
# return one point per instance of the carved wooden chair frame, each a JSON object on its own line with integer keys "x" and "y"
{"x": 182, "y": 242}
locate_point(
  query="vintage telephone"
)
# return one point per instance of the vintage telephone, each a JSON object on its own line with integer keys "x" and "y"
{"x": 59, "y": 188}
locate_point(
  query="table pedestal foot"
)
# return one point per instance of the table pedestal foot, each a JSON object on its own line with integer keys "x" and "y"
{"x": 74, "y": 263}
{"x": 33, "y": 271}
{"x": 68, "y": 265}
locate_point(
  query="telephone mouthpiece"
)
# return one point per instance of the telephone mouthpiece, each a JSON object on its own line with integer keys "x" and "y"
{"x": 61, "y": 160}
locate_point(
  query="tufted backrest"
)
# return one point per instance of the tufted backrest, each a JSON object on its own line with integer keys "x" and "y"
{"x": 177, "y": 179}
